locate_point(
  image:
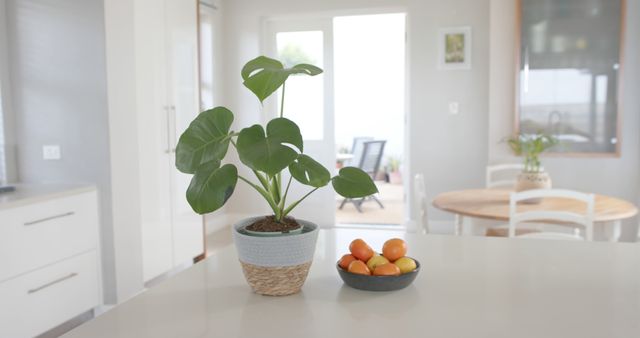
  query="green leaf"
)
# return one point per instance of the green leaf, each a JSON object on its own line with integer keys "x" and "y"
{"x": 309, "y": 172}
{"x": 353, "y": 183}
{"x": 206, "y": 139}
{"x": 263, "y": 75}
{"x": 211, "y": 186}
{"x": 270, "y": 153}
{"x": 308, "y": 69}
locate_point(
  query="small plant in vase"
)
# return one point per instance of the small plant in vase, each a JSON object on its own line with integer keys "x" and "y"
{"x": 533, "y": 175}
{"x": 275, "y": 250}
{"x": 394, "y": 171}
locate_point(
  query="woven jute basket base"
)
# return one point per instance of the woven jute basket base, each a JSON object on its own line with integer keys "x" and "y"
{"x": 276, "y": 281}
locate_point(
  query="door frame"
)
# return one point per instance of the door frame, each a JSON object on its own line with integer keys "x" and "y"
{"x": 323, "y": 215}
{"x": 270, "y": 108}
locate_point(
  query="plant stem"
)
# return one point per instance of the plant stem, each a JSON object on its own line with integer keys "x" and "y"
{"x": 286, "y": 191}
{"x": 264, "y": 194}
{"x": 262, "y": 179}
{"x": 279, "y": 184}
{"x": 274, "y": 188}
{"x": 282, "y": 102}
{"x": 289, "y": 208}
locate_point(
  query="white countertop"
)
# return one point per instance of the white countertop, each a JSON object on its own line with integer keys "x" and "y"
{"x": 33, "y": 193}
{"x": 467, "y": 287}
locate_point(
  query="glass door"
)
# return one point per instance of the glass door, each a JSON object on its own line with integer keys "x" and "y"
{"x": 309, "y": 103}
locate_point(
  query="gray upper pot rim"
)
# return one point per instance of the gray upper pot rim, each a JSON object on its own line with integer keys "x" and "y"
{"x": 237, "y": 226}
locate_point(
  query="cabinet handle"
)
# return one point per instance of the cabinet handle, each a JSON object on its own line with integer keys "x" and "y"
{"x": 59, "y": 280}
{"x": 70, "y": 213}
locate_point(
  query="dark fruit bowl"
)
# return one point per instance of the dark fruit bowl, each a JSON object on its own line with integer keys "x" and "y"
{"x": 378, "y": 283}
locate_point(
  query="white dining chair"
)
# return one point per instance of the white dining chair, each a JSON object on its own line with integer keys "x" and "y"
{"x": 584, "y": 221}
{"x": 503, "y": 176}
{"x": 420, "y": 204}
{"x": 496, "y": 173}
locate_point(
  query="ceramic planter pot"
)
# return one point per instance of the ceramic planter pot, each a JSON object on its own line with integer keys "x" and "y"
{"x": 395, "y": 177}
{"x": 275, "y": 265}
{"x": 531, "y": 181}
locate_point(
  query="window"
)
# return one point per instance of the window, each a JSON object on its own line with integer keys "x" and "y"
{"x": 304, "y": 102}
{"x": 568, "y": 78}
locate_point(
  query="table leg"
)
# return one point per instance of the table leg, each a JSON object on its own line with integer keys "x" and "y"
{"x": 615, "y": 231}
{"x": 458, "y": 224}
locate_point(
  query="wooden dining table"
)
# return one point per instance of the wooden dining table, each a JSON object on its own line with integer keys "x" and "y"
{"x": 493, "y": 204}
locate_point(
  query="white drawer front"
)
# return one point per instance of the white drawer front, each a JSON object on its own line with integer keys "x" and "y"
{"x": 39, "y": 234}
{"x": 40, "y": 300}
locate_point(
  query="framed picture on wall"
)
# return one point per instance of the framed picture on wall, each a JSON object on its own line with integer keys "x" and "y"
{"x": 454, "y": 48}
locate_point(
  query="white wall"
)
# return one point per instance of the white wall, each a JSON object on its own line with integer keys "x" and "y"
{"x": 6, "y": 111}
{"x": 450, "y": 150}
{"x": 221, "y": 218}
{"x": 611, "y": 176}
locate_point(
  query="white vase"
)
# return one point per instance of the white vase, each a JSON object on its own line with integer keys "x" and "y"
{"x": 532, "y": 181}
{"x": 275, "y": 265}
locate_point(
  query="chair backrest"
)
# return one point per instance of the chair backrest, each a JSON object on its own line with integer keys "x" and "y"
{"x": 585, "y": 220}
{"x": 357, "y": 148}
{"x": 420, "y": 203}
{"x": 502, "y": 170}
{"x": 371, "y": 157}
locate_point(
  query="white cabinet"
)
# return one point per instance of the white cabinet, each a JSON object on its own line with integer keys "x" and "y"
{"x": 49, "y": 258}
{"x": 167, "y": 101}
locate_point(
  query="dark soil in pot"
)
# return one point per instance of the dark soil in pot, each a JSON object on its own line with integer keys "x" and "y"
{"x": 269, "y": 224}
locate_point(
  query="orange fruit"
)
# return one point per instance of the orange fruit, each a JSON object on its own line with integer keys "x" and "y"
{"x": 346, "y": 260}
{"x": 361, "y": 250}
{"x": 394, "y": 248}
{"x": 359, "y": 267}
{"x": 388, "y": 269}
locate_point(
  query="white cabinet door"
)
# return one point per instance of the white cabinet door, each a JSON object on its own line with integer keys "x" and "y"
{"x": 154, "y": 143}
{"x": 183, "y": 89}
{"x": 40, "y": 300}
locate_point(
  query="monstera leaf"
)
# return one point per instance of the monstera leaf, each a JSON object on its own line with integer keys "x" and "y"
{"x": 309, "y": 172}
{"x": 352, "y": 182}
{"x": 273, "y": 151}
{"x": 205, "y": 140}
{"x": 264, "y": 75}
{"x": 211, "y": 186}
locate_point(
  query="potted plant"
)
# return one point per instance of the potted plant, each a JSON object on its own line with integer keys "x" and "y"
{"x": 276, "y": 250}
{"x": 531, "y": 146}
{"x": 394, "y": 171}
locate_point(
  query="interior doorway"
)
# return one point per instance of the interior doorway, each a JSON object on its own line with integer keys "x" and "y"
{"x": 352, "y": 114}
{"x": 369, "y": 59}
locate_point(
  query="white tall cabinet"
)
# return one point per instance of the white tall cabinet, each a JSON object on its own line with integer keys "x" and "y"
{"x": 166, "y": 35}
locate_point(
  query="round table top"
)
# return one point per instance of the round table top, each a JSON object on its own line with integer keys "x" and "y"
{"x": 494, "y": 204}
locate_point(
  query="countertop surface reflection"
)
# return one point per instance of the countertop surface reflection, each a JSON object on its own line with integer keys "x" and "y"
{"x": 467, "y": 287}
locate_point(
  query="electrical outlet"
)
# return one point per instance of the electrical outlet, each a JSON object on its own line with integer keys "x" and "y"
{"x": 454, "y": 108}
{"x": 51, "y": 152}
